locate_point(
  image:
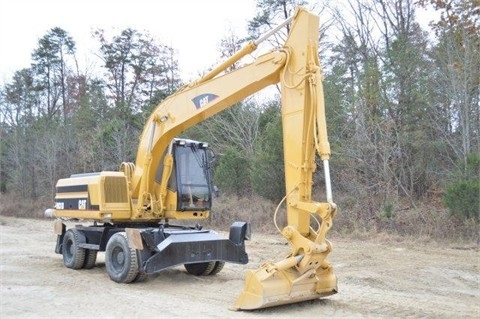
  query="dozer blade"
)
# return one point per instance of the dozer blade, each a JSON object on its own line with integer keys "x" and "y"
{"x": 275, "y": 284}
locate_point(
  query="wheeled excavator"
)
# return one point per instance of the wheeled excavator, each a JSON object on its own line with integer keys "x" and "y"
{"x": 131, "y": 210}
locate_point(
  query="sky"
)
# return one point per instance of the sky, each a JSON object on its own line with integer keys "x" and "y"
{"x": 193, "y": 28}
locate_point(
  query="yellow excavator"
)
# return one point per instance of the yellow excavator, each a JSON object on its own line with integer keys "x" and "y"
{"x": 131, "y": 210}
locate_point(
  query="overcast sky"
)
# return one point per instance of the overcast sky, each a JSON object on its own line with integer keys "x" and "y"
{"x": 193, "y": 28}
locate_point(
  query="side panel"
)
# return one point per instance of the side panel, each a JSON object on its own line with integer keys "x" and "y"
{"x": 101, "y": 196}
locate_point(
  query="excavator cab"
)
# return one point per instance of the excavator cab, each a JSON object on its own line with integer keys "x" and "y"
{"x": 184, "y": 171}
{"x": 191, "y": 175}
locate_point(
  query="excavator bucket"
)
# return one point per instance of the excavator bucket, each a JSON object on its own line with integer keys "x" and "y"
{"x": 281, "y": 283}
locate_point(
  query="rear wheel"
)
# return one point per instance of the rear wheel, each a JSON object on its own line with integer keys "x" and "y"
{"x": 90, "y": 258}
{"x": 141, "y": 277}
{"x": 73, "y": 255}
{"x": 121, "y": 261}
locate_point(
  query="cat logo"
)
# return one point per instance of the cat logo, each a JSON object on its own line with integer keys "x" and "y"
{"x": 203, "y": 99}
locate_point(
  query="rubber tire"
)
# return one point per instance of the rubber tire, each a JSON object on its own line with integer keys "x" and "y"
{"x": 218, "y": 267}
{"x": 73, "y": 255}
{"x": 200, "y": 269}
{"x": 90, "y": 259}
{"x": 121, "y": 261}
{"x": 141, "y": 277}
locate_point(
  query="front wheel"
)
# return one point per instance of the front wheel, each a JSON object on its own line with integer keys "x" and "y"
{"x": 200, "y": 269}
{"x": 121, "y": 261}
{"x": 205, "y": 268}
{"x": 218, "y": 267}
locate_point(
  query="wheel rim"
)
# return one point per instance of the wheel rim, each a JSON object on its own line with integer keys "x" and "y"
{"x": 118, "y": 258}
{"x": 69, "y": 249}
{"x": 121, "y": 261}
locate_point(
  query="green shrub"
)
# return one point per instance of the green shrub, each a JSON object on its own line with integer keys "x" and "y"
{"x": 232, "y": 173}
{"x": 462, "y": 196}
{"x": 463, "y": 199}
{"x": 268, "y": 173}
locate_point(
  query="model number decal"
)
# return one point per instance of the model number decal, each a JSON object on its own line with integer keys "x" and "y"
{"x": 82, "y": 204}
{"x": 203, "y": 99}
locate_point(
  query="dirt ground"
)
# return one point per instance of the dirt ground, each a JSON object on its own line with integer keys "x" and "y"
{"x": 378, "y": 278}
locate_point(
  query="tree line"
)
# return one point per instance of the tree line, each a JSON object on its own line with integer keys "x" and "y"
{"x": 403, "y": 108}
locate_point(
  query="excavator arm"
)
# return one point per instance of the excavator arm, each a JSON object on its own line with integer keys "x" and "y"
{"x": 304, "y": 274}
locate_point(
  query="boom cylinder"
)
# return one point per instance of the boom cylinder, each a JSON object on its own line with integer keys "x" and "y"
{"x": 247, "y": 49}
